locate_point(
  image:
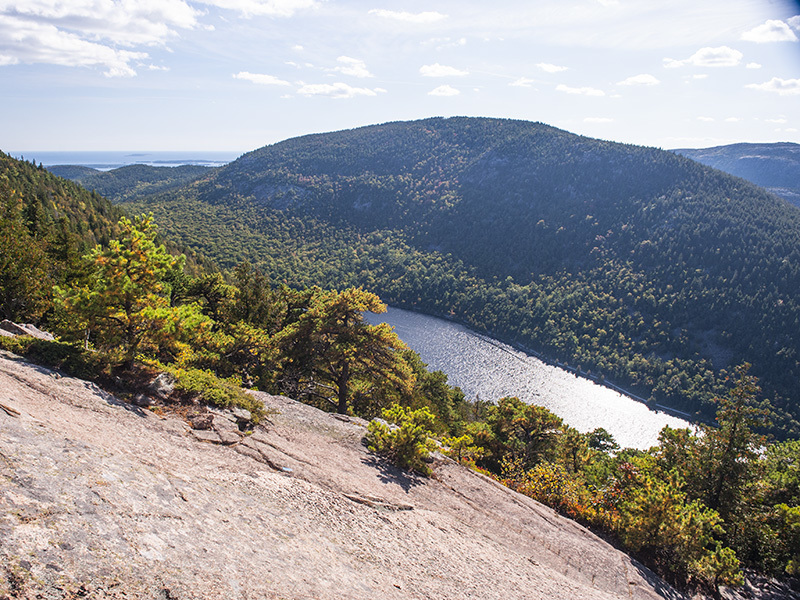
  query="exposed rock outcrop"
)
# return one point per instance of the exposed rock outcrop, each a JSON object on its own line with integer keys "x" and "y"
{"x": 104, "y": 499}
{"x": 9, "y": 328}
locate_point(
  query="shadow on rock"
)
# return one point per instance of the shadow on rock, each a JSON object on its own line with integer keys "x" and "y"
{"x": 662, "y": 588}
{"x": 388, "y": 473}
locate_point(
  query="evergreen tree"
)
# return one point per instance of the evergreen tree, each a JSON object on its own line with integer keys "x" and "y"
{"x": 124, "y": 304}
{"x": 332, "y": 355}
{"x": 729, "y": 451}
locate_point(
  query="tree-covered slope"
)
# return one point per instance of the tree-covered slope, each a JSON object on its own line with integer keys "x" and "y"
{"x": 132, "y": 181}
{"x": 46, "y": 200}
{"x": 637, "y": 264}
{"x": 775, "y": 167}
{"x": 46, "y": 223}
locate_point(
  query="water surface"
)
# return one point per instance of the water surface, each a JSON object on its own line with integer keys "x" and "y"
{"x": 105, "y": 161}
{"x": 489, "y": 369}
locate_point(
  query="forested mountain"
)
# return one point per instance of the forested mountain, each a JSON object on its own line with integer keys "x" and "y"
{"x": 46, "y": 225}
{"x": 637, "y": 264}
{"x": 775, "y": 167}
{"x": 130, "y": 182}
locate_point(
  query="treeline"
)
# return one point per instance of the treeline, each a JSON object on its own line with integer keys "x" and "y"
{"x": 638, "y": 265}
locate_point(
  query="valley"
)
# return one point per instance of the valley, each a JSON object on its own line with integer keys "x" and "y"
{"x": 632, "y": 263}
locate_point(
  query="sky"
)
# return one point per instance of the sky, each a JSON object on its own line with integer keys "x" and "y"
{"x": 235, "y": 75}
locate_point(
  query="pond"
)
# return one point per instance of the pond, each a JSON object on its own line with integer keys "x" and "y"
{"x": 490, "y": 370}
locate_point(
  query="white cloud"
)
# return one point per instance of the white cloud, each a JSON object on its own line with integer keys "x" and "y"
{"x": 706, "y": 119}
{"x": 584, "y": 91}
{"x": 28, "y": 41}
{"x": 437, "y": 70}
{"x": 723, "y": 56}
{"x": 548, "y": 68}
{"x": 334, "y": 90}
{"x": 732, "y": 120}
{"x": 784, "y": 87}
{"x": 608, "y": 2}
{"x": 353, "y": 67}
{"x": 642, "y": 79}
{"x": 419, "y": 18}
{"x": 123, "y": 23}
{"x": 157, "y": 68}
{"x": 260, "y": 79}
{"x": 794, "y": 22}
{"x": 263, "y": 8}
{"x": 297, "y": 48}
{"x": 523, "y": 82}
{"x": 598, "y": 120}
{"x": 753, "y": 65}
{"x": 444, "y": 90}
{"x": 780, "y": 120}
{"x": 8, "y": 60}
{"x": 700, "y": 76}
{"x": 771, "y": 31}
{"x": 89, "y": 33}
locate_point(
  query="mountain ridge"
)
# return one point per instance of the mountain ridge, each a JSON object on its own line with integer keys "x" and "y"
{"x": 774, "y": 166}
{"x": 638, "y": 263}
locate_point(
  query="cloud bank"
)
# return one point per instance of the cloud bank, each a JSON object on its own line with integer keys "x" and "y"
{"x": 419, "y": 18}
{"x": 776, "y": 85}
{"x": 771, "y": 31}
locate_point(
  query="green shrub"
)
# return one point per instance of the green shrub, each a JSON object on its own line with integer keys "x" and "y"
{"x": 462, "y": 449}
{"x": 70, "y": 358}
{"x": 223, "y": 393}
{"x": 408, "y": 444}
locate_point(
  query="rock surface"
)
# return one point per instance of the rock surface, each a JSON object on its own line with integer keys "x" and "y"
{"x": 103, "y": 499}
{"x": 12, "y": 329}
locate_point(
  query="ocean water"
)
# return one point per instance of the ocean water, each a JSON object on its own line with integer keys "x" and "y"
{"x": 491, "y": 370}
{"x": 105, "y": 161}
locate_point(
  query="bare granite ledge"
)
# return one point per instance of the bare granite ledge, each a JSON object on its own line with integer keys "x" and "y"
{"x": 101, "y": 499}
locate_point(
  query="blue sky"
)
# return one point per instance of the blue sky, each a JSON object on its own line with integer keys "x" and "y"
{"x": 238, "y": 74}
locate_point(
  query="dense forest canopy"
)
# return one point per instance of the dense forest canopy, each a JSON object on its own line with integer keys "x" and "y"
{"x": 639, "y": 265}
{"x": 46, "y": 224}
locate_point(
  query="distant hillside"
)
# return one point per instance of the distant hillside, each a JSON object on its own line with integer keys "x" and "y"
{"x": 73, "y": 172}
{"x": 132, "y": 181}
{"x": 772, "y": 166}
{"x": 638, "y": 264}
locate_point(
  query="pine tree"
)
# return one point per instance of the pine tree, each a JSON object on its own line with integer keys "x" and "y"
{"x": 125, "y": 304}
{"x": 331, "y": 353}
